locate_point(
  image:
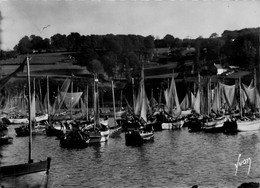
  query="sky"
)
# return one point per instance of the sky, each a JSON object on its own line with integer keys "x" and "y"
{"x": 179, "y": 18}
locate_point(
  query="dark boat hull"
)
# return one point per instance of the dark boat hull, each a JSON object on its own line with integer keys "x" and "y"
{"x": 6, "y": 140}
{"x": 136, "y": 138}
{"x": 213, "y": 129}
{"x": 157, "y": 126}
{"x": 24, "y": 131}
{"x": 74, "y": 139}
{"x": 51, "y": 131}
{"x": 25, "y": 175}
{"x": 194, "y": 125}
{"x": 230, "y": 127}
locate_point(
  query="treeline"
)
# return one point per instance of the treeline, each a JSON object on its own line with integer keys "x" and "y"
{"x": 122, "y": 55}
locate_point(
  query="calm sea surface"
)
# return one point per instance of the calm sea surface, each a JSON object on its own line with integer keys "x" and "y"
{"x": 175, "y": 159}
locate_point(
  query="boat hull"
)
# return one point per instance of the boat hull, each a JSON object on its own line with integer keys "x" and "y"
{"x": 243, "y": 126}
{"x": 114, "y": 132}
{"x": 157, "y": 126}
{"x": 194, "y": 125}
{"x": 215, "y": 126}
{"x": 26, "y": 121}
{"x": 19, "y": 121}
{"x": 172, "y": 125}
{"x": 25, "y": 175}
{"x": 6, "y": 140}
{"x": 137, "y": 138}
{"x": 98, "y": 137}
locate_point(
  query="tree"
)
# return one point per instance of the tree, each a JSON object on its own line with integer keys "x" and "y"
{"x": 108, "y": 60}
{"x": 169, "y": 40}
{"x": 213, "y": 35}
{"x": 59, "y": 42}
{"x": 96, "y": 67}
{"x": 74, "y": 42}
{"x": 86, "y": 55}
{"x": 46, "y": 44}
{"x": 24, "y": 46}
{"x": 37, "y": 42}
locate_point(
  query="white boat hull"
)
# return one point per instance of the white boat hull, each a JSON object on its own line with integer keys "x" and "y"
{"x": 217, "y": 123}
{"x": 42, "y": 118}
{"x": 147, "y": 136}
{"x": 172, "y": 125}
{"x": 98, "y": 137}
{"x": 248, "y": 125}
{"x": 25, "y": 120}
{"x": 19, "y": 121}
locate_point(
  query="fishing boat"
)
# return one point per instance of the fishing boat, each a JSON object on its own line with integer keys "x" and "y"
{"x": 55, "y": 129}
{"x": 6, "y": 140}
{"x": 173, "y": 120}
{"x": 172, "y": 125}
{"x": 248, "y": 125}
{"x": 74, "y": 138}
{"x": 98, "y": 132}
{"x": 18, "y": 120}
{"x": 215, "y": 125}
{"x": 31, "y": 174}
{"x": 39, "y": 118}
{"x": 137, "y": 135}
{"x": 4, "y": 137}
{"x": 38, "y": 123}
{"x": 115, "y": 129}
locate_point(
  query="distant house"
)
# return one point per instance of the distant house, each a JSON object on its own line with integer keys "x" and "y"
{"x": 188, "y": 51}
{"x": 162, "y": 51}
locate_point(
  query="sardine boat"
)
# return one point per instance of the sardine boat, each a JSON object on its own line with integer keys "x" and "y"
{"x": 248, "y": 125}
{"x": 215, "y": 125}
{"x": 25, "y": 175}
{"x": 31, "y": 174}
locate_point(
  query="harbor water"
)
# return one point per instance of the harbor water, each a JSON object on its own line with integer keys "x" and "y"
{"x": 175, "y": 159}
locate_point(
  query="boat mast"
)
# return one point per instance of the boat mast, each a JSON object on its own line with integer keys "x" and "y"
{"x": 29, "y": 107}
{"x": 255, "y": 89}
{"x": 199, "y": 88}
{"x": 209, "y": 96}
{"x": 121, "y": 99}
{"x": 87, "y": 102}
{"x": 240, "y": 97}
{"x": 71, "y": 91}
{"x": 33, "y": 105}
{"x": 48, "y": 94}
{"x": 133, "y": 87}
{"x": 96, "y": 110}
{"x": 114, "y": 106}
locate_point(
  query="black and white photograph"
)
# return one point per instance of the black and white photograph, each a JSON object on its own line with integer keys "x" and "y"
{"x": 129, "y": 94}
